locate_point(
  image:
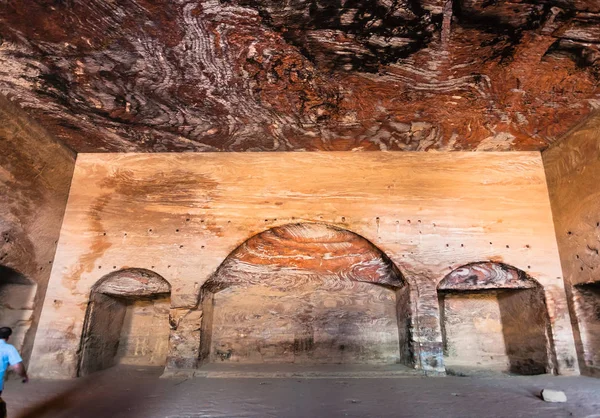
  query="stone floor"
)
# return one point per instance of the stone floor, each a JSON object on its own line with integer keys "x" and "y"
{"x": 131, "y": 392}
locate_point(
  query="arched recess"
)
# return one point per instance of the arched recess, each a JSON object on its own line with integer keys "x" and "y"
{"x": 306, "y": 293}
{"x": 127, "y": 321}
{"x": 586, "y": 298}
{"x": 494, "y": 319}
{"x": 17, "y": 295}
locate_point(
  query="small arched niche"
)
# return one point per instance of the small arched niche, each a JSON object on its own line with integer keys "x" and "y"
{"x": 17, "y": 296}
{"x": 127, "y": 321}
{"x": 494, "y": 319}
{"x": 586, "y": 297}
{"x": 306, "y": 293}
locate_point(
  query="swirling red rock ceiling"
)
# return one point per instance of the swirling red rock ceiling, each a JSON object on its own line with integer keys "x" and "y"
{"x": 266, "y": 75}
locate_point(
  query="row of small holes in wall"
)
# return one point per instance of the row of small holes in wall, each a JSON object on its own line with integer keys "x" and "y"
{"x": 582, "y": 268}
{"x": 293, "y": 219}
{"x": 151, "y": 267}
{"x": 151, "y": 230}
{"x": 7, "y": 239}
{"x": 343, "y": 219}
{"x": 594, "y": 250}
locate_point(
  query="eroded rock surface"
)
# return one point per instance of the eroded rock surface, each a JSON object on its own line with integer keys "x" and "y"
{"x": 572, "y": 168}
{"x": 35, "y": 175}
{"x": 261, "y": 75}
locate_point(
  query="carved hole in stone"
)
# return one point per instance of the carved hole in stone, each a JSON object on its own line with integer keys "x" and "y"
{"x": 17, "y": 295}
{"x": 127, "y": 321}
{"x": 586, "y": 298}
{"x": 306, "y": 293}
{"x": 494, "y": 320}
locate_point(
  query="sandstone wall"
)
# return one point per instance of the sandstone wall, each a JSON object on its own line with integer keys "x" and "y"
{"x": 35, "y": 176}
{"x": 573, "y": 172}
{"x": 145, "y": 333}
{"x": 182, "y": 215}
{"x": 354, "y": 323}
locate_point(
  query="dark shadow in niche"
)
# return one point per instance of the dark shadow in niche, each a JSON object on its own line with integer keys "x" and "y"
{"x": 494, "y": 319}
{"x": 586, "y": 297}
{"x": 17, "y": 295}
{"x": 116, "y": 301}
{"x": 306, "y": 293}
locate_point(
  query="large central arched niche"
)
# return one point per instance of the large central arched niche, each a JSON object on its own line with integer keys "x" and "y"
{"x": 494, "y": 319}
{"x": 306, "y": 293}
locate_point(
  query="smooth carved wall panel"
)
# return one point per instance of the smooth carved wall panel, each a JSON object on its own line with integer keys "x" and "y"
{"x": 145, "y": 333}
{"x": 355, "y": 323}
{"x": 183, "y": 215}
{"x": 473, "y": 330}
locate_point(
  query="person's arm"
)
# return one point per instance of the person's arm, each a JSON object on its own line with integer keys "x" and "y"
{"x": 16, "y": 363}
{"x": 20, "y": 369}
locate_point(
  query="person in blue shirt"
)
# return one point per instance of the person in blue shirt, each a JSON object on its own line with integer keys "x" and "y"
{"x": 9, "y": 357}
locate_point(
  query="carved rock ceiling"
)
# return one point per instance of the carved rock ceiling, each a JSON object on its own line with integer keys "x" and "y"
{"x": 262, "y": 75}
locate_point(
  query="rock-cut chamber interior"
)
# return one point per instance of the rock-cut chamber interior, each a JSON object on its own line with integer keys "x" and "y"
{"x": 587, "y": 308}
{"x": 17, "y": 294}
{"x": 306, "y": 294}
{"x": 494, "y": 319}
{"x": 127, "y": 322}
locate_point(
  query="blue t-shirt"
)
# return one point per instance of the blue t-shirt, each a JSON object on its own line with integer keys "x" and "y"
{"x": 9, "y": 356}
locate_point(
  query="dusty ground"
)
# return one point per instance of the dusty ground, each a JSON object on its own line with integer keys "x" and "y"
{"x": 131, "y": 392}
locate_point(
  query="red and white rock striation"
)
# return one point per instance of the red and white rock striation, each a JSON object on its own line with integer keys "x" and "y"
{"x": 260, "y": 75}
